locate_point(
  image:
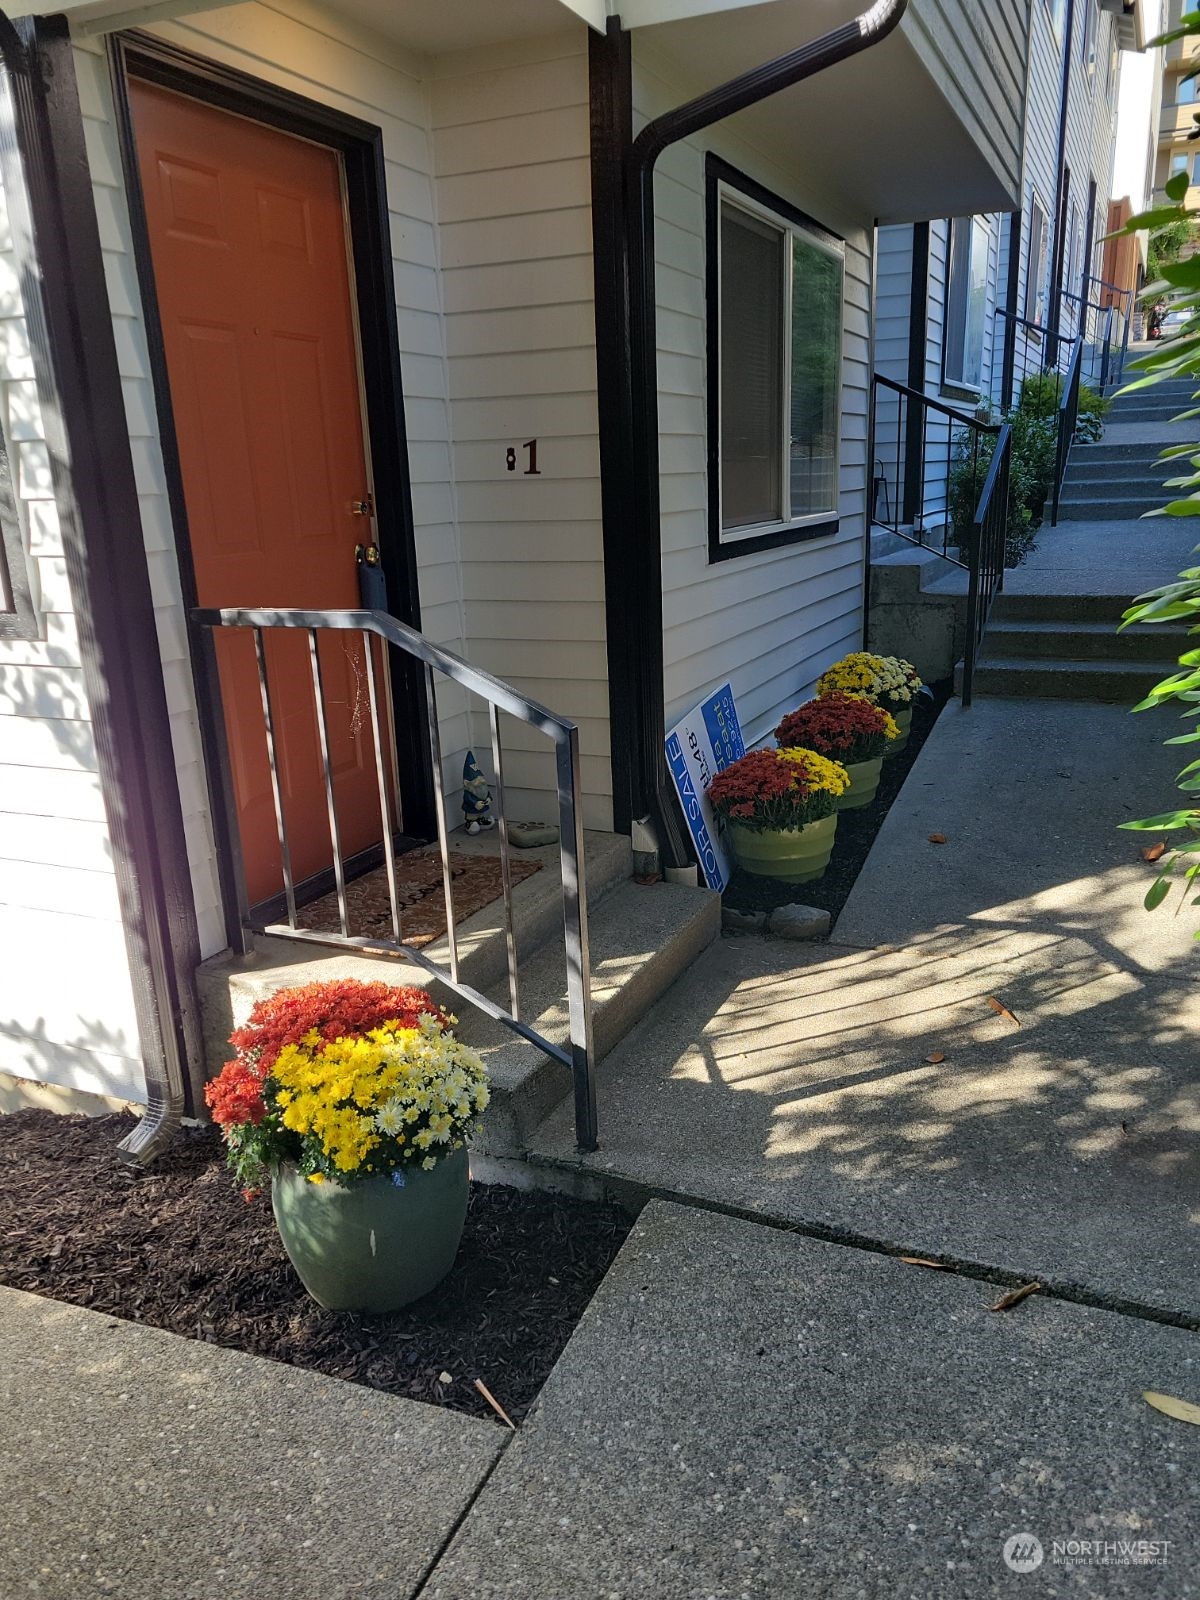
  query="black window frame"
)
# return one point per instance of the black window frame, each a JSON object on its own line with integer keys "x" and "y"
{"x": 720, "y": 174}
{"x": 19, "y": 618}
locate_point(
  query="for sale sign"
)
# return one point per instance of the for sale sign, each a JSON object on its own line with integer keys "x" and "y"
{"x": 700, "y": 745}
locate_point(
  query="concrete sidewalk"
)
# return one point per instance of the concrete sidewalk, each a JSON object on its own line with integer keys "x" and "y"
{"x": 867, "y": 1089}
{"x": 149, "y": 1467}
{"x": 744, "y": 1414}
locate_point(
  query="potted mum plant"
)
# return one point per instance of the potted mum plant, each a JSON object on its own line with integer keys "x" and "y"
{"x": 850, "y": 730}
{"x": 779, "y": 811}
{"x": 355, "y": 1102}
{"x": 887, "y": 681}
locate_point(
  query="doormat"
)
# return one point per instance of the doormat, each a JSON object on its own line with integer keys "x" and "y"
{"x": 475, "y": 882}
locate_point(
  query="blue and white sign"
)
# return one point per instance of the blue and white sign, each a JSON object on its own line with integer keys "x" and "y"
{"x": 699, "y": 746}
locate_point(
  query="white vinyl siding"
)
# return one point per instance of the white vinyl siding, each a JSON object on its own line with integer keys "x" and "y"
{"x": 976, "y": 53}
{"x": 770, "y": 621}
{"x": 513, "y": 192}
{"x": 66, "y": 1004}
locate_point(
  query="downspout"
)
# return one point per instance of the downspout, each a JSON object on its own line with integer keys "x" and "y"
{"x": 1060, "y": 231}
{"x": 641, "y": 621}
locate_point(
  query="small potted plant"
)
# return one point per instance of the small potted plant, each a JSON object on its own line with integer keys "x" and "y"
{"x": 355, "y": 1102}
{"x": 779, "y": 811}
{"x": 850, "y": 730}
{"x": 887, "y": 681}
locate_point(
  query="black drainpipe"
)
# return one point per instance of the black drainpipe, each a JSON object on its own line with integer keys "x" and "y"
{"x": 634, "y": 546}
{"x": 1054, "y": 319}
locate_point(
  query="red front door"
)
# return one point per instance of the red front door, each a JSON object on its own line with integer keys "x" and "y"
{"x": 249, "y": 247}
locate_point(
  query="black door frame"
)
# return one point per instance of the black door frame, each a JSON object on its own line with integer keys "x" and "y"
{"x": 360, "y": 146}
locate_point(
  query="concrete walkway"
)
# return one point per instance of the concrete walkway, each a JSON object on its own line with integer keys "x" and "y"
{"x": 748, "y": 1415}
{"x": 141, "y": 1465}
{"x": 742, "y": 1414}
{"x": 868, "y": 1089}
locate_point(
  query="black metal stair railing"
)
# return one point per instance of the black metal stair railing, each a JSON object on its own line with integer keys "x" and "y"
{"x": 1068, "y": 417}
{"x": 366, "y": 626}
{"x": 986, "y": 555}
{"x": 917, "y": 444}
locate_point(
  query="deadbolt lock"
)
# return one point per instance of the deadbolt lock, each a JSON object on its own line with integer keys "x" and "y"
{"x": 364, "y": 507}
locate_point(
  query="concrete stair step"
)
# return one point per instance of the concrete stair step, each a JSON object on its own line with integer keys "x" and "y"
{"x": 1119, "y": 452}
{"x": 1068, "y": 680}
{"x": 1083, "y": 641}
{"x": 1066, "y": 609}
{"x": 1114, "y": 508}
{"x": 229, "y": 985}
{"x": 1149, "y": 413}
{"x": 643, "y": 937}
{"x": 1118, "y": 475}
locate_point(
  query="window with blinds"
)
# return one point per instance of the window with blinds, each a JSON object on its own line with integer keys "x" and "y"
{"x": 779, "y": 313}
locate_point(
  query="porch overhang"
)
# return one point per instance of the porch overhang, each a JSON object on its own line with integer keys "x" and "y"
{"x": 891, "y": 133}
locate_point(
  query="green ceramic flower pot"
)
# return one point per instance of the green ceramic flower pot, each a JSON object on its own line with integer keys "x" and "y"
{"x": 374, "y": 1245}
{"x": 864, "y": 784}
{"x": 794, "y": 855}
{"x": 903, "y": 720}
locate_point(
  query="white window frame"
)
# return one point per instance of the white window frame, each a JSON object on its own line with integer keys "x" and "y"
{"x": 729, "y": 194}
{"x": 981, "y": 231}
{"x": 1033, "y": 268}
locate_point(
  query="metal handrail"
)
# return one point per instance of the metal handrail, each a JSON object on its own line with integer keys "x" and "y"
{"x": 500, "y": 696}
{"x": 913, "y": 409}
{"x": 932, "y": 404}
{"x": 1068, "y": 416}
{"x": 989, "y": 531}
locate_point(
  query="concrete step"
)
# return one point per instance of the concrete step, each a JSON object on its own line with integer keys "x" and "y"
{"x": 1083, "y": 641}
{"x": 1112, "y": 508}
{"x": 914, "y": 570}
{"x": 1163, "y": 413}
{"x": 1125, "y": 474}
{"x": 1068, "y": 680}
{"x": 643, "y": 937}
{"x": 1067, "y": 609}
{"x": 229, "y": 985}
{"x": 1137, "y": 453}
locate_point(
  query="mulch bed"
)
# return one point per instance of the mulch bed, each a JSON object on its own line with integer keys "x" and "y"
{"x": 176, "y": 1247}
{"x": 475, "y": 881}
{"x": 856, "y": 831}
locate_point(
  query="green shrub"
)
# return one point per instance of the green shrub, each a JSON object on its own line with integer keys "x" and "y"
{"x": 1041, "y": 393}
{"x": 1034, "y": 423}
{"x": 1031, "y": 471}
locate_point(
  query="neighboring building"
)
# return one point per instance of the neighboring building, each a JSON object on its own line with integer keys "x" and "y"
{"x": 327, "y": 276}
{"x": 969, "y": 305}
{"x": 1179, "y": 106}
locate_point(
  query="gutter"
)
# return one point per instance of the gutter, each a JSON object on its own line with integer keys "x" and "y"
{"x": 638, "y": 649}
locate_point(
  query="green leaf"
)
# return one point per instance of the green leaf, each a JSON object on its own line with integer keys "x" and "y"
{"x": 1183, "y": 508}
{"x": 1177, "y": 186}
{"x": 1157, "y": 892}
{"x": 1156, "y": 217}
{"x": 1167, "y": 819}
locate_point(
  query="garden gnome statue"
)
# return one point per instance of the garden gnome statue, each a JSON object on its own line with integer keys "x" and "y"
{"x": 477, "y": 797}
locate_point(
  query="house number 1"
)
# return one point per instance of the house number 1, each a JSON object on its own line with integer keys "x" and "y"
{"x": 532, "y": 470}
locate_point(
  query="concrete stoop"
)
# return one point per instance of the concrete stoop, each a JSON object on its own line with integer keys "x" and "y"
{"x": 918, "y": 604}
{"x": 642, "y": 939}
